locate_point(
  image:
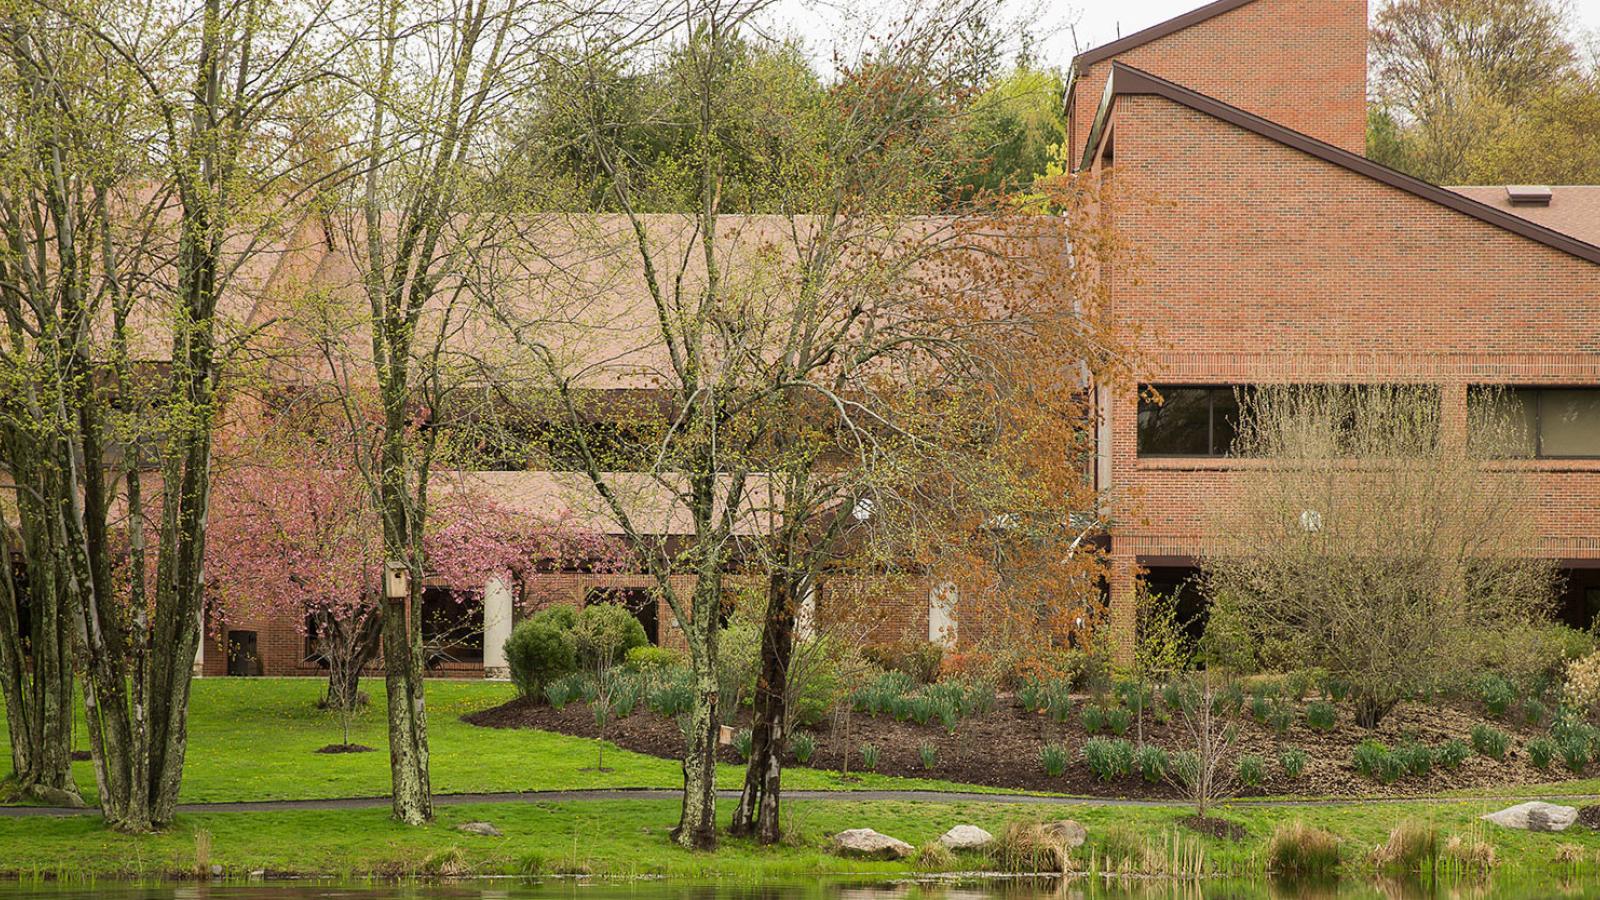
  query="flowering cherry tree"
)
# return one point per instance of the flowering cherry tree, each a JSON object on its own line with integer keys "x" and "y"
{"x": 298, "y": 540}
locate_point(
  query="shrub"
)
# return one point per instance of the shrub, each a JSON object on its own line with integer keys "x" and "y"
{"x": 869, "y": 757}
{"x": 1229, "y": 700}
{"x": 653, "y": 662}
{"x": 1251, "y": 770}
{"x": 933, "y": 856}
{"x": 1151, "y": 763}
{"x": 1260, "y": 708}
{"x": 1411, "y": 848}
{"x": 1027, "y": 847}
{"x": 1053, "y": 757}
{"x": 1119, "y": 720}
{"x": 1575, "y": 752}
{"x": 1335, "y": 688}
{"x": 947, "y": 712}
{"x": 538, "y": 653}
{"x": 928, "y": 754}
{"x": 1322, "y": 715}
{"x": 1452, "y": 753}
{"x": 1172, "y": 696}
{"x": 1534, "y": 656}
{"x": 1541, "y": 752}
{"x": 741, "y": 743}
{"x": 1108, "y": 758}
{"x": 1136, "y": 696}
{"x": 1299, "y": 683}
{"x": 880, "y": 695}
{"x": 1497, "y": 693}
{"x": 1281, "y": 719}
{"x": 1298, "y": 850}
{"x": 1582, "y": 688}
{"x": 918, "y": 659}
{"x": 1469, "y": 854}
{"x": 1093, "y": 718}
{"x": 1489, "y": 741}
{"x": 1534, "y": 713}
{"x": 738, "y": 659}
{"x": 1293, "y": 762}
{"x": 625, "y": 692}
{"x": 804, "y": 746}
{"x": 563, "y": 616}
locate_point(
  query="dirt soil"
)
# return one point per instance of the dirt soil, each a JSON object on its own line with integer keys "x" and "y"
{"x": 1001, "y": 748}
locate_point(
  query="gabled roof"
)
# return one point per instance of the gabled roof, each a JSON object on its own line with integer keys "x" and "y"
{"x": 1126, "y": 80}
{"x": 1155, "y": 32}
{"x": 1573, "y": 209}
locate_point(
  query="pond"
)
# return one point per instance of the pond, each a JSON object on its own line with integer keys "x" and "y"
{"x": 953, "y": 888}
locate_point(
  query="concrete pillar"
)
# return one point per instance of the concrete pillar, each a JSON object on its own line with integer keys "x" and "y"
{"x": 805, "y": 618}
{"x": 499, "y": 606}
{"x": 1124, "y": 612}
{"x": 199, "y": 668}
{"x": 942, "y": 599}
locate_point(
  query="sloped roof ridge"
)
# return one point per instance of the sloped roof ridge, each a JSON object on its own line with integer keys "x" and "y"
{"x": 1157, "y": 31}
{"x": 1126, "y": 79}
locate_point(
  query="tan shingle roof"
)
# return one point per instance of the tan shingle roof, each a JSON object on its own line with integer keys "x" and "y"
{"x": 1574, "y": 208}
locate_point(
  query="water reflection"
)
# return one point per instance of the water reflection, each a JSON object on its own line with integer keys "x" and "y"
{"x": 832, "y": 889}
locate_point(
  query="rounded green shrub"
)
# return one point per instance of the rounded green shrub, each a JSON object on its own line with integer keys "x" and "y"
{"x": 1541, "y": 752}
{"x": 1490, "y": 742}
{"x": 652, "y": 661}
{"x": 1322, "y": 715}
{"x": 557, "y": 615}
{"x": 1108, "y": 758}
{"x": 537, "y": 653}
{"x": 607, "y": 629}
{"x": 1151, "y": 763}
{"x": 1293, "y": 762}
{"x": 1452, "y": 753}
{"x": 1251, "y": 770}
{"x": 1053, "y": 759}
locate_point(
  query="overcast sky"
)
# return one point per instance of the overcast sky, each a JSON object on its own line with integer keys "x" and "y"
{"x": 819, "y": 22}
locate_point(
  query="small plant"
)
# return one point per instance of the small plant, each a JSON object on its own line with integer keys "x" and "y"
{"x": 1281, "y": 718}
{"x": 1575, "y": 752}
{"x": 671, "y": 698}
{"x": 741, "y": 743}
{"x": 804, "y": 746}
{"x": 1335, "y": 689}
{"x": 1093, "y": 719}
{"x": 1497, "y": 693}
{"x": 1119, "y": 719}
{"x": 1108, "y": 758}
{"x": 1452, "y": 753}
{"x": 1293, "y": 762}
{"x": 1185, "y": 767}
{"x": 1134, "y": 695}
{"x": 1490, "y": 742}
{"x": 928, "y": 754}
{"x": 1375, "y": 760}
{"x": 1416, "y": 758}
{"x": 1468, "y": 854}
{"x": 1251, "y": 770}
{"x": 1322, "y": 715}
{"x": 1260, "y": 708}
{"x": 1228, "y": 701}
{"x": 1541, "y": 752}
{"x": 1298, "y": 684}
{"x": 869, "y": 757}
{"x": 1298, "y": 850}
{"x": 1053, "y": 757}
{"x": 1171, "y": 695}
{"x": 1151, "y": 763}
{"x": 1534, "y": 713}
{"x": 564, "y": 690}
{"x": 947, "y": 712}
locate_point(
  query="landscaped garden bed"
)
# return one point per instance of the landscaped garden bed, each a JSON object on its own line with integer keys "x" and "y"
{"x": 1426, "y": 747}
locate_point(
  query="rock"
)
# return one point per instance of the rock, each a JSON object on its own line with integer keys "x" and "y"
{"x": 483, "y": 828}
{"x": 865, "y": 843}
{"x": 1534, "y": 815}
{"x": 1069, "y": 833}
{"x": 216, "y": 870}
{"x": 258, "y": 873}
{"x": 966, "y": 837}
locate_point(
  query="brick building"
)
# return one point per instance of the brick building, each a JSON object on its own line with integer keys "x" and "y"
{"x": 1272, "y": 251}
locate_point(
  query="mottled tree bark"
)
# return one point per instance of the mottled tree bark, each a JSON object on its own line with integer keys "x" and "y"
{"x": 697, "y": 825}
{"x": 758, "y": 813}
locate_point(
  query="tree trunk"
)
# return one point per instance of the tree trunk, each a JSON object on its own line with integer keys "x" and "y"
{"x": 757, "y": 813}
{"x": 412, "y": 800}
{"x": 697, "y": 826}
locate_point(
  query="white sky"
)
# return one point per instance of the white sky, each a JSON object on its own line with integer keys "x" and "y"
{"x": 821, "y": 22}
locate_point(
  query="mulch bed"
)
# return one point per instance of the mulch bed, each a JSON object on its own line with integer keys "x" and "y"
{"x": 1589, "y": 817}
{"x": 345, "y": 748}
{"x": 1212, "y": 826}
{"x": 1001, "y": 749}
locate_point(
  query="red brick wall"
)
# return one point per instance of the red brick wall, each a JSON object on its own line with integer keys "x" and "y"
{"x": 1300, "y": 63}
{"x": 1261, "y": 263}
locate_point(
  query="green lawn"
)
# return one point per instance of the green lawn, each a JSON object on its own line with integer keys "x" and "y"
{"x": 255, "y": 739}
{"x": 630, "y": 838}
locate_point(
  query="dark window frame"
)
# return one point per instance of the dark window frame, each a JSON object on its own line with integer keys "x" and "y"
{"x": 1537, "y": 391}
{"x": 1212, "y": 391}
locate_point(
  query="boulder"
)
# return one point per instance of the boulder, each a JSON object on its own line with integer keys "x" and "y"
{"x": 483, "y": 828}
{"x": 1534, "y": 815}
{"x": 966, "y": 837}
{"x": 1069, "y": 833}
{"x": 864, "y": 843}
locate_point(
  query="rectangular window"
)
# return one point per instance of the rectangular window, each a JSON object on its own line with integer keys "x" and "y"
{"x": 1547, "y": 423}
{"x": 1189, "y": 421}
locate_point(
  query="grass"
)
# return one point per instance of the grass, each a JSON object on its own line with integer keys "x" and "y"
{"x": 255, "y": 739}
{"x": 630, "y": 838}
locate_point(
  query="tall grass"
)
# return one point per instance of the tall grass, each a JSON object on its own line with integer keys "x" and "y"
{"x": 1299, "y": 850}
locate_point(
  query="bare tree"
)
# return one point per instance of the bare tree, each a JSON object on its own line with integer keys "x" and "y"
{"x": 1372, "y": 540}
{"x": 1203, "y": 770}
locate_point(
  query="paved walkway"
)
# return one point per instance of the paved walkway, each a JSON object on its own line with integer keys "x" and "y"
{"x": 586, "y": 796}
